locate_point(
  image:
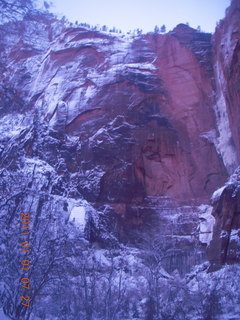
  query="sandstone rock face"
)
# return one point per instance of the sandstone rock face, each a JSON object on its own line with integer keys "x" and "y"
{"x": 114, "y": 144}
{"x": 226, "y": 65}
{"x": 175, "y": 230}
{"x": 118, "y": 118}
{"x": 141, "y": 105}
{"x": 225, "y": 245}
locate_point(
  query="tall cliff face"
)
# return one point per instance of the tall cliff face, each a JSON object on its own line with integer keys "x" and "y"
{"x": 116, "y": 142}
{"x": 226, "y": 65}
{"x": 225, "y": 245}
{"x": 141, "y": 105}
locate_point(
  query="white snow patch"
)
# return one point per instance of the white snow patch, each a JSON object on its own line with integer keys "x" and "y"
{"x": 12, "y": 125}
{"x": 41, "y": 167}
{"x": 121, "y": 68}
{"x": 217, "y": 194}
{"x": 80, "y": 211}
{"x": 235, "y": 179}
{"x": 206, "y": 224}
{"x": 78, "y": 215}
{"x": 211, "y": 136}
{"x": 90, "y": 92}
{"x": 224, "y": 145}
{"x": 99, "y": 256}
{"x": 235, "y": 235}
{"x": 101, "y": 132}
{"x": 84, "y": 42}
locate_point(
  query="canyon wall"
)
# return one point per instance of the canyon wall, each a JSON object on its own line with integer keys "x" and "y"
{"x": 115, "y": 144}
{"x": 224, "y": 247}
{"x": 142, "y": 107}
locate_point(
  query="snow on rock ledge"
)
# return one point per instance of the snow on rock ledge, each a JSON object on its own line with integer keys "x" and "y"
{"x": 206, "y": 224}
{"x": 78, "y": 215}
{"x": 217, "y": 194}
{"x": 224, "y": 247}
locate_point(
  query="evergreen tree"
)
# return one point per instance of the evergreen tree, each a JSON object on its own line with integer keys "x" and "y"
{"x": 163, "y": 28}
{"x": 104, "y": 28}
{"x": 47, "y": 5}
{"x": 156, "y": 29}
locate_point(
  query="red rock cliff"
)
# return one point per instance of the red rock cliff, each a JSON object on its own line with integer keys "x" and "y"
{"x": 143, "y": 106}
{"x": 122, "y": 118}
{"x": 226, "y": 46}
{"x": 225, "y": 246}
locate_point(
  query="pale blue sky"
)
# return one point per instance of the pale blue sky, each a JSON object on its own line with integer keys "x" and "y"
{"x": 144, "y": 14}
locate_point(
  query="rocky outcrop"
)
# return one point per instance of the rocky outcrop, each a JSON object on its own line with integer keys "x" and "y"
{"x": 225, "y": 245}
{"x": 114, "y": 143}
{"x": 151, "y": 96}
{"x": 226, "y": 65}
{"x": 119, "y": 119}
